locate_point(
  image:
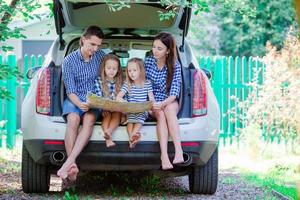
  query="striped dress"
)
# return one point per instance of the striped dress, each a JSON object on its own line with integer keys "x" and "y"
{"x": 137, "y": 94}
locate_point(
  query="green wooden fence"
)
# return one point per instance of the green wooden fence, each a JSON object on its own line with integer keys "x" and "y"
{"x": 231, "y": 77}
{"x": 18, "y": 88}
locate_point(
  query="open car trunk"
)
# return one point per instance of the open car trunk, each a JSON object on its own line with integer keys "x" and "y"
{"x": 140, "y": 19}
{"x": 126, "y": 47}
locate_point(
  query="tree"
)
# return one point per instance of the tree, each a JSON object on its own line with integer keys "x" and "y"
{"x": 23, "y": 9}
{"x": 245, "y": 26}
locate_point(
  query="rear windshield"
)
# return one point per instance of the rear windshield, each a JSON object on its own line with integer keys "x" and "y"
{"x": 123, "y": 48}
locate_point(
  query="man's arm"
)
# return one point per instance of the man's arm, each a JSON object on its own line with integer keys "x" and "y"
{"x": 70, "y": 86}
{"x": 75, "y": 100}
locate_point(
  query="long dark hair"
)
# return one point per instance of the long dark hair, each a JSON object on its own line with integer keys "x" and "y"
{"x": 168, "y": 40}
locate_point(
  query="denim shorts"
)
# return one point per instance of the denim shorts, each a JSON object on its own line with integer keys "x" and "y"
{"x": 69, "y": 107}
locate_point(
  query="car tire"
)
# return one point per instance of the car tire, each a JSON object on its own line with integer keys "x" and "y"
{"x": 204, "y": 179}
{"x": 35, "y": 177}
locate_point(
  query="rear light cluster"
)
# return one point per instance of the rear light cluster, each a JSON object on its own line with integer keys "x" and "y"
{"x": 43, "y": 99}
{"x": 199, "y": 98}
{"x": 53, "y": 142}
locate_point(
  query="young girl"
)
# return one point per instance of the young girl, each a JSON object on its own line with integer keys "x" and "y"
{"x": 136, "y": 89}
{"x": 164, "y": 71}
{"x": 108, "y": 84}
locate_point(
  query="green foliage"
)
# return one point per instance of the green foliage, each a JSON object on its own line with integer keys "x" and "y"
{"x": 70, "y": 196}
{"x": 251, "y": 23}
{"x": 23, "y": 10}
{"x": 279, "y": 178}
{"x": 7, "y": 72}
{"x": 242, "y": 28}
{"x": 118, "y": 5}
{"x": 274, "y": 104}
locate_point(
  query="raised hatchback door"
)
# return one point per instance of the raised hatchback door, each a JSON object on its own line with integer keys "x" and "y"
{"x": 142, "y": 18}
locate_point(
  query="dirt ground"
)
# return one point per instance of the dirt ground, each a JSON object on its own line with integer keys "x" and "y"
{"x": 125, "y": 185}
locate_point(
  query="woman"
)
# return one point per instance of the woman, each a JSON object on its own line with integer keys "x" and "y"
{"x": 164, "y": 71}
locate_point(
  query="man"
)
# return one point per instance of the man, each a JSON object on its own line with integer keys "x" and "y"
{"x": 80, "y": 69}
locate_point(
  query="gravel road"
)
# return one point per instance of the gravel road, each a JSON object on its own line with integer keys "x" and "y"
{"x": 124, "y": 186}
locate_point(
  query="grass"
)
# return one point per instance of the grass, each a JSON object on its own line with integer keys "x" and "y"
{"x": 273, "y": 183}
{"x": 124, "y": 185}
{"x": 271, "y": 167}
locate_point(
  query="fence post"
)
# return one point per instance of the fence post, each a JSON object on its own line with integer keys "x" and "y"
{"x": 32, "y": 60}
{"x": 231, "y": 103}
{"x": 40, "y": 60}
{"x": 202, "y": 62}
{"x": 218, "y": 85}
{"x": 238, "y": 95}
{"x": 1, "y": 111}
{"x": 25, "y": 69}
{"x": 11, "y": 105}
{"x": 245, "y": 81}
{"x": 224, "y": 98}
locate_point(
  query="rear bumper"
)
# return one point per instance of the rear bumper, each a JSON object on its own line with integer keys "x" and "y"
{"x": 96, "y": 156}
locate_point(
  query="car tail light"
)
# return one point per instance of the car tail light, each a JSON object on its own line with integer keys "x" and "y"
{"x": 53, "y": 142}
{"x": 199, "y": 98}
{"x": 190, "y": 144}
{"x": 43, "y": 99}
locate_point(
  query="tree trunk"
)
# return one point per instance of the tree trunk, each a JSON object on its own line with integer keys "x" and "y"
{"x": 5, "y": 18}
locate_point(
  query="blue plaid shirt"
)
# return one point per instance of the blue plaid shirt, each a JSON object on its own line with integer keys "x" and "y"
{"x": 111, "y": 88}
{"x": 159, "y": 79}
{"x": 79, "y": 75}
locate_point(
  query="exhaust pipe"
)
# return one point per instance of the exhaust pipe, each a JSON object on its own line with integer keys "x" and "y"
{"x": 187, "y": 160}
{"x": 57, "y": 157}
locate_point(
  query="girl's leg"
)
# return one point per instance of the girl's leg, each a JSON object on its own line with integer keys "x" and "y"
{"x": 129, "y": 131}
{"x": 113, "y": 124}
{"x": 135, "y": 134}
{"x": 162, "y": 135}
{"x": 173, "y": 127}
{"x": 105, "y": 125}
{"x": 115, "y": 121}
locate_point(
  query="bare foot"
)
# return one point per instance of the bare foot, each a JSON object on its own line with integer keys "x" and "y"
{"x": 178, "y": 158}
{"x": 63, "y": 171}
{"x": 70, "y": 180}
{"x": 166, "y": 164}
{"x": 110, "y": 143}
{"x": 132, "y": 145}
{"x": 106, "y": 135}
{"x": 72, "y": 173}
{"x": 135, "y": 138}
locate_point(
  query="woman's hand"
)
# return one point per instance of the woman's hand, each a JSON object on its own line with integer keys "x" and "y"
{"x": 157, "y": 106}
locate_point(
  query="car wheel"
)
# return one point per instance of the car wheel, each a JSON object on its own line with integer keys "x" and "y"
{"x": 35, "y": 177}
{"x": 204, "y": 179}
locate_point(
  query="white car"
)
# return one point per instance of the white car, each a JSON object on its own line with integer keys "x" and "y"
{"x": 128, "y": 33}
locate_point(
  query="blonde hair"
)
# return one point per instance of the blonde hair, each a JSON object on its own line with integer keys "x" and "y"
{"x": 140, "y": 64}
{"x": 118, "y": 77}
